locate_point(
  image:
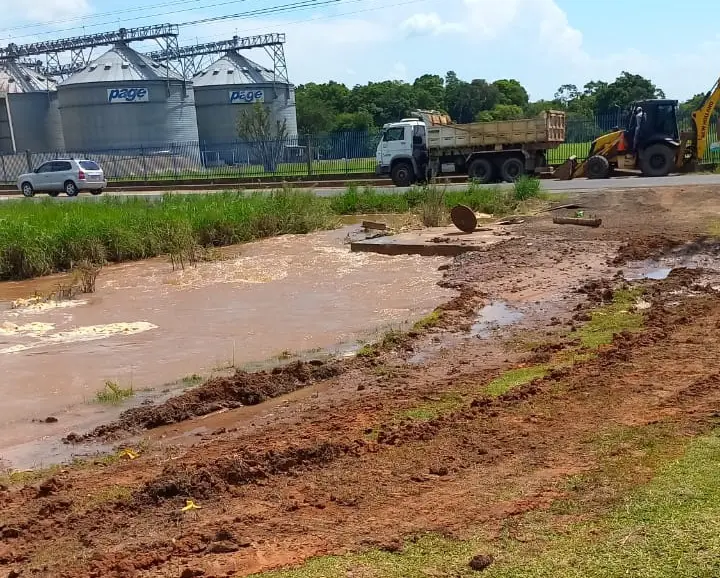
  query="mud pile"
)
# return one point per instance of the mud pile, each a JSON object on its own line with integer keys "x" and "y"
{"x": 220, "y": 393}
{"x": 243, "y": 467}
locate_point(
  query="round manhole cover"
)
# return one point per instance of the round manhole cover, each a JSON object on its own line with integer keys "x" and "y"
{"x": 463, "y": 217}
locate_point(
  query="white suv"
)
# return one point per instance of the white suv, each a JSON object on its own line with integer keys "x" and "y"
{"x": 69, "y": 175}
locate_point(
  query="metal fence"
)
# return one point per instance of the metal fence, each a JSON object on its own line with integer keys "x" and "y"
{"x": 335, "y": 154}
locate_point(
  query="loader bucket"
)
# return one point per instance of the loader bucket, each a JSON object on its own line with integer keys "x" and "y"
{"x": 566, "y": 170}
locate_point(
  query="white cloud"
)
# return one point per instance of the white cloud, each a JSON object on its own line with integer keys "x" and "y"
{"x": 42, "y": 11}
{"x": 429, "y": 23}
{"x": 491, "y": 18}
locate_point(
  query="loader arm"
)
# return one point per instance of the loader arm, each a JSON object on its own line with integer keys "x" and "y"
{"x": 701, "y": 121}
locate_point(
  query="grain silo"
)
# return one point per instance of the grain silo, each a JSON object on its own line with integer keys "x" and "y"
{"x": 124, "y": 101}
{"x": 30, "y": 116}
{"x": 226, "y": 87}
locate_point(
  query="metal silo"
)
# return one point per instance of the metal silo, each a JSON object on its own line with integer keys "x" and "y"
{"x": 124, "y": 101}
{"x": 225, "y": 88}
{"x": 31, "y": 108}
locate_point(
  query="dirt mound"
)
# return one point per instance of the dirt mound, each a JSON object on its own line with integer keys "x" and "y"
{"x": 241, "y": 468}
{"x": 641, "y": 248}
{"x": 241, "y": 389}
{"x": 598, "y": 290}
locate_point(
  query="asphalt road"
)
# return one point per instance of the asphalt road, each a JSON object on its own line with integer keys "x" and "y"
{"x": 577, "y": 185}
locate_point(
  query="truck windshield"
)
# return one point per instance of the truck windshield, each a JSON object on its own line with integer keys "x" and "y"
{"x": 394, "y": 134}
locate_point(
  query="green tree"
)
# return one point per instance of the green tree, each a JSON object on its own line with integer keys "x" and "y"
{"x": 512, "y": 92}
{"x": 620, "y": 93}
{"x": 313, "y": 116}
{"x": 319, "y": 104}
{"x": 501, "y": 112}
{"x": 692, "y": 104}
{"x": 360, "y": 121}
{"x": 466, "y": 99}
{"x": 386, "y": 101}
{"x": 535, "y": 108}
{"x": 265, "y": 136}
{"x": 430, "y": 92}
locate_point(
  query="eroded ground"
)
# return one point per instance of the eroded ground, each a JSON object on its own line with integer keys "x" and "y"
{"x": 484, "y": 413}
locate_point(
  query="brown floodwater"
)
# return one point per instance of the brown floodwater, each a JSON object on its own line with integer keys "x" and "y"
{"x": 147, "y": 326}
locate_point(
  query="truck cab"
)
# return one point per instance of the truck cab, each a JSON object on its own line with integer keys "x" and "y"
{"x": 402, "y": 151}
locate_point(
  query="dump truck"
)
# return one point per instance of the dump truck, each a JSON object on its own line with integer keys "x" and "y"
{"x": 429, "y": 144}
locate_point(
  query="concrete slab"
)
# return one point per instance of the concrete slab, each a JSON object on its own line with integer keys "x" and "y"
{"x": 435, "y": 241}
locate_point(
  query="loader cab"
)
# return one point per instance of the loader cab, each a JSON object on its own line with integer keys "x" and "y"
{"x": 660, "y": 122}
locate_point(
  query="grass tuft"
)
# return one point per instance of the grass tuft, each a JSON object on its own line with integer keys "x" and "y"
{"x": 431, "y": 409}
{"x": 192, "y": 380}
{"x": 611, "y": 319}
{"x": 112, "y": 393}
{"x": 430, "y": 320}
{"x": 432, "y": 208}
{"x": 514, "y": 378}
{"x": 526, "y": 187}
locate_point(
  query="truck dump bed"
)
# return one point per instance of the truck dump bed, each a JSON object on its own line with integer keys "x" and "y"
{"x": 544, "y": 131}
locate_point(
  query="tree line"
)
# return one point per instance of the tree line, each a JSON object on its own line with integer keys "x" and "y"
{"x": 333, "y": 107}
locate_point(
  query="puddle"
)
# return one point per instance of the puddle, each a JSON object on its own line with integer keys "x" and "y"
{"x": 494, "y": 316}
{"x": 648, "y": 270}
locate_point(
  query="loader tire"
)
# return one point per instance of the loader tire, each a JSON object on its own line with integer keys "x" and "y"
{"x": 598, "y": 167}
{"x": 481, "y": 170}
{"x": 657, "y": 160}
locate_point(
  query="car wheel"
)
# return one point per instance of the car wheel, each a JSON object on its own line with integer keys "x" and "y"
{"x": 27, "y": 190}
{"x": 97, "y": 191}
{"x": 71, "y": 189}
{"x": 53, "y": 193}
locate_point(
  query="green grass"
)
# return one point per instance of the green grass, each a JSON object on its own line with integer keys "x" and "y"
{"x": 391, "y": 338}
{"x": 431, "y": 409}
{"x": 112, "y": 393}
{"x": 494, "y": 200}
{"x": 614, "y": 318}
{"x": 429, "y": 321}
{"x": 514, "y": 378}
{"x": 192, "y": 380}
{"x": 40, "y": 238}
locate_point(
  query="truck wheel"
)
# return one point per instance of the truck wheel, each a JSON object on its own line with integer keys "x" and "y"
{"x": 481, "y": 170}
{"x": 512, "y": 169}
{"x": 402, "y": 174}
{"x": 597, "y": 167}
{"x": 657, "y": 160}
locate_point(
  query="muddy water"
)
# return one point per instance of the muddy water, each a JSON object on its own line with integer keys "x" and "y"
{"x": 148, "y": 325}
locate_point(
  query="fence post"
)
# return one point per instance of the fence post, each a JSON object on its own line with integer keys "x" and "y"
{"x": 144, "y": 166}
{"x": 4, "y": 170}
{"x": 28, "y": 159}
{"x": 174, "y": 161}
{"x": 309, "y": 156}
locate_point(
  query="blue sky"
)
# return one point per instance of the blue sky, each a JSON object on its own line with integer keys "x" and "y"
{"x": 542, "y": 43}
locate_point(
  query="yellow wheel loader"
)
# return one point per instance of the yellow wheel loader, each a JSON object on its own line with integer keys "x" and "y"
{"x": 656, "y": 148}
